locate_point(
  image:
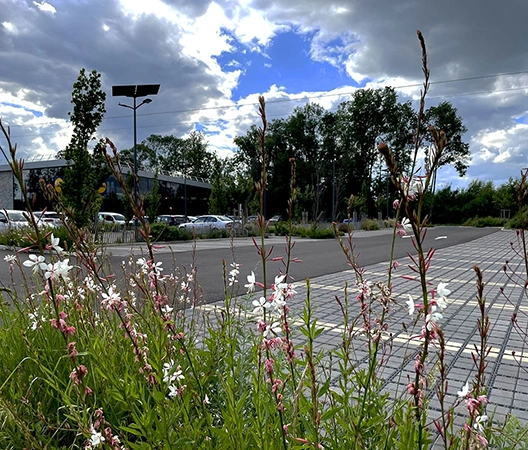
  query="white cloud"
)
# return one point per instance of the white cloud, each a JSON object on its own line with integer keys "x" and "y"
{"x": 45, "y": 7}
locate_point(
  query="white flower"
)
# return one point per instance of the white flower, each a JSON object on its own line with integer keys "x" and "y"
{"x": 251, "y": 282}
{"x": 166, "y": 309}
{"x": 406, "y": 225}
{"x": 206, "y": 400}
{"x": 260, "y": 305}
{"x": 478, "y": 423}
{"x": 410, "y": 304}
{"x": 274, "y": 328}
{"x": 10, "y": 258}
{"x": 96, "y": 438}
{"x": 464, "y": 391}
{"x": 58, "y": 269}
{"x": 170, "y": 375}
{"x": 36, "y": 262}
{"x": 441, "y": 303}
{"x": 111, "y": 300}
{"x": 54, "y": 242}
{"x": 432, "y": 318}
{"x": 442, "y": 290}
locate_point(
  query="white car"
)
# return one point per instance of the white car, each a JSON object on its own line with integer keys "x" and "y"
{"x": 209, "y": 224}
{"x": 49, "y": 218}
{"x": 12, "y": 218}
{"x": 116, "y": 220}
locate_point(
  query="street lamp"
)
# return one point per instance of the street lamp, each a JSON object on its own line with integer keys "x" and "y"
{"x": 134, "y": 91}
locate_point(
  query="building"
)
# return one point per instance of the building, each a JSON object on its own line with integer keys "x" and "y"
{"x": 174, "y": 190}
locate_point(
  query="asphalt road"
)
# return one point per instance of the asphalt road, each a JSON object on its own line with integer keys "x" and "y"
{"x": 318, "y": 257}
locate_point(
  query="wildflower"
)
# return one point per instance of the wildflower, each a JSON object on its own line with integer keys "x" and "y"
{"x": 464, "y": 391}
{"x": 273, "y": 328}
{"x": 432, "y": 318}
{"x": 35, "y": 320}
{"x": 36, "y": 262}
{"x": 410, "y": 304}
{"x": 442, "y": 290}
{"x": 54, "y": 244}
{"x": 112, "y": 300}
{"x": 260, "y": 305}
{"x": 206, "y": 400}
{"x": 170, "y": 375}
{"x": 96, "y": 438}
{"x": 166, "y": 309}
{"x": 78, "y": 374}
{"x": 10, "y": 259}
{"x": 478, "y": 423}
{"x": 175, "y": 391}
{"x": 59, "y": 269}
{"x": 251, "y": 282}
{"x": 233, "y": 273}
{"x": 406, "y": 225}
{"x": 396, "y": 204}
{"x": 440, "y": 302}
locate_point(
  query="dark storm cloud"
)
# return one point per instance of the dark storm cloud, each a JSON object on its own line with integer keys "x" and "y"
{"x": 45, "y": 52}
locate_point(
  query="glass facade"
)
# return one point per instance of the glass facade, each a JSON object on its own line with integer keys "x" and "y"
{"x": 171, "y": 193}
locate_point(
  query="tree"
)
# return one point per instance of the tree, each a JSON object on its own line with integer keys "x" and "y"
{"x": 456, "y": 153}
{"x": 87, "y": 170}
{"x": 370, "y": 117}
{"x": 174, "y": 155}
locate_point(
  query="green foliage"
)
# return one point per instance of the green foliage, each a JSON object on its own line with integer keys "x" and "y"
{"x": 20, "y": 237}
{"x": 369, "y": 225}
{"x": 163, "y": 232}
{"x": 87, "y": 169}
{"x": 512, "y": 435}
{"x": 489, "y": 221}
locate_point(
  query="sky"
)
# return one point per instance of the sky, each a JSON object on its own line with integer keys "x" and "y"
{"x": 214, "y": 58}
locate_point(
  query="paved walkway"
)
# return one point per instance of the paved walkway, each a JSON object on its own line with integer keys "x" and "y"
{"x": 507, "y": 371}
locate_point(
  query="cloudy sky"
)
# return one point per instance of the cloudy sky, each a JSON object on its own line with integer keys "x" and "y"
{"x": 213, "y": 59}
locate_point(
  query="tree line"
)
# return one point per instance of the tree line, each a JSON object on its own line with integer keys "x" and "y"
{"x": 334, "y": 153}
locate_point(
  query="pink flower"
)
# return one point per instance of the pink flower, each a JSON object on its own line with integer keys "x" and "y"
{"x": 78, "y": 374}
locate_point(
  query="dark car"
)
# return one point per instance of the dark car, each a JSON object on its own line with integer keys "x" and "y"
{"x": 173, "y": 219}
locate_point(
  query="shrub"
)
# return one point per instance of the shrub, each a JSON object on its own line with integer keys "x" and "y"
{"x": 20, "y": 237}
{"x": 488, "y": 221}
{"x": 369, "y": 225}
{"x": 163, "y": 232}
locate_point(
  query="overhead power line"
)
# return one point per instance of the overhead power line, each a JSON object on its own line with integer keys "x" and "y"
{"x": 288, "y": 100}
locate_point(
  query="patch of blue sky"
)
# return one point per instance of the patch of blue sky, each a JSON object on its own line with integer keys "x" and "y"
{"x": 32, "y": 111}
{"x": 286, "y": 62}
{"x": 206, "y": 128}
{"x": 521, "y": 119}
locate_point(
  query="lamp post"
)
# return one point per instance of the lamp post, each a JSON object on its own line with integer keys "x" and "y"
{"x": 134, "y": 91}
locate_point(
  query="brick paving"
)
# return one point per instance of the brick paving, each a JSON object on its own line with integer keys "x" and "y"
{"x": 507, "y": 370}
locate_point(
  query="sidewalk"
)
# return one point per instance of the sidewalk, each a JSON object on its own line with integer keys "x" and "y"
{"x": 507, "y": 371}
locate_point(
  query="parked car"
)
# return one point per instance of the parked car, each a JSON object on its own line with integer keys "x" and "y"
{"x": 173, "y": 219}
{"x": 210, "y": 223}
{"x": 12, "y": 218}
{"x": 49, "y": 218}
{"x": 116, "y": 220}
{"x": 275, "y": 219}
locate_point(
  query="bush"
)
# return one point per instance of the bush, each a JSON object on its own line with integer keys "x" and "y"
{"x": 314, "y": 232}
{"x": 369, "y": 225}
{"x": 482, "y": 222}
{"x": 279, "y": 229}
{"x": 164, "y": 232}
{"x": 19, "y": 237}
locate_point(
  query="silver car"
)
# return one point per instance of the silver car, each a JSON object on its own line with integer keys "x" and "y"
{"x": 12, "y": 218}
{"x": 210, "y": 224}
